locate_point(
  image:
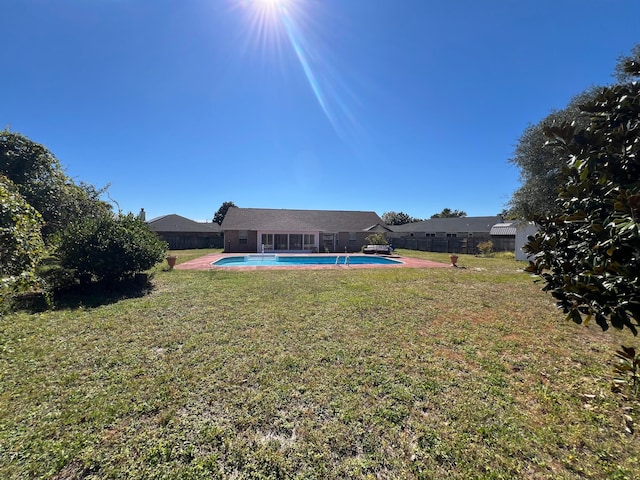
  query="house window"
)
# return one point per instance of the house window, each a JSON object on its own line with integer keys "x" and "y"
{"x": 430, "y": 234}
{"x": 452, "y": 235}
{"x": 243, "y": 237}
{"x": 352, "y": 239}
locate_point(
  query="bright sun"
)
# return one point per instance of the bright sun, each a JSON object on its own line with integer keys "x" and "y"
{"x": 270, "y": 4}
{"x": 275, "y": 25}
{"x": 267, "y": 9}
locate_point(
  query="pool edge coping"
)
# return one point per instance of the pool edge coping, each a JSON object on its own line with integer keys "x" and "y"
{"x": 205, "y": 263}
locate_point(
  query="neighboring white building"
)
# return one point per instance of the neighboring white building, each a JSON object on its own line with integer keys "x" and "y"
{"x": 523, "y": 231}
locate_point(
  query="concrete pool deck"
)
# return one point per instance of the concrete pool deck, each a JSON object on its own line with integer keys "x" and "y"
{"x": 204, "y": 263}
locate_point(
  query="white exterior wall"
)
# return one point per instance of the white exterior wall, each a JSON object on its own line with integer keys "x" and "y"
{"x": 524, "y": 230}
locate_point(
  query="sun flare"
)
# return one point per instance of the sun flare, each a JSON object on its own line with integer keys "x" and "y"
{"x": 270, "y": 5}
{"x": 277, "y": 25}
{"x": 266, "y": 21}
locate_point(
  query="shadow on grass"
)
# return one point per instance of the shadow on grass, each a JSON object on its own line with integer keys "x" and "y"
{"x": 86, "y": 296}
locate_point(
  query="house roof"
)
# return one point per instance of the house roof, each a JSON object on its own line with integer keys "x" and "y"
{"x": 378, "y": 227}
{"x": 301, "y": 220}
{"x": 177, "y": 223}
{"x": 450, "y": 225}
{"x": 508, "y": 228}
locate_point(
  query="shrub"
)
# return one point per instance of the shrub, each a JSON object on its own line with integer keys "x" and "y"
{"x": 40, "y": 179}
{"x": 485, "y": 248}
{"x": 21, "y": 245}
{"x": 110, "y": 248}
{"x": 376, "y": 239}
{"x": 589, "y": 255}
{"x": 54, "y": 276}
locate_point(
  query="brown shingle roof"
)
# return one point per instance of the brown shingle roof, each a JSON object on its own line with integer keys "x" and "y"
{"x": 299, "y": 220}
{"x": 176, "y": 223}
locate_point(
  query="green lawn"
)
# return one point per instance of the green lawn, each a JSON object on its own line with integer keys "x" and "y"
{"x": 377, "y": 373}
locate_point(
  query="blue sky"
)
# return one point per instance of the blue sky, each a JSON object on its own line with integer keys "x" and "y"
{"x": 403, "y": 105}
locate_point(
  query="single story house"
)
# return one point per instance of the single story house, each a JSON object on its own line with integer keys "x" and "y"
{"x": 252, "y": 230}
{"x": 182, "y": 233}
{"x": 450, "y": 234}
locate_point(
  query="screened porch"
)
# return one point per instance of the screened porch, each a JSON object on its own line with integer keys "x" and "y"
{"x": 292, "y": 242}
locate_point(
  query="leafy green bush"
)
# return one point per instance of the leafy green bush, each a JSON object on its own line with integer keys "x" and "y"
{"x": 589, "y": 256}
{"x": 40, "y": 179}
{"x": 21, "y": 245}
{"x": 485, "y": 248}
{"x": 109, "y": 248}
{"x": 54, "y": 276}
{"x": 377, "y": 239}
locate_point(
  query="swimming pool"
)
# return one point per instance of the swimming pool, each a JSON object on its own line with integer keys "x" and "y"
{"x": 271, "y": 260}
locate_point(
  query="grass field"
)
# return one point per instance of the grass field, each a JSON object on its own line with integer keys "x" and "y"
{"x": 329, "y": 374}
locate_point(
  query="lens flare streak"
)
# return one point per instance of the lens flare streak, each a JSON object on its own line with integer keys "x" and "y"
{"x": 293, "y": 36}
{"x": 286, "y": 20}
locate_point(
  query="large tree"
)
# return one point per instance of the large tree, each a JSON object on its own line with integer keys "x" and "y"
{"x": 81, "y": 233}
{"x": 588, "y": 254}
{"x": 398, "y": 218}
{"x": 218, "y": 217}
{"x": 448, "y": 213}
{"x": 627, "y": 65}
{"x": 541, "y": 163}
{"x": 42, "y": 182}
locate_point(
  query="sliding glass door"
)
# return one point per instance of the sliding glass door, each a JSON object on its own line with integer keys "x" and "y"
{"x": 293, "y": 242}
{"x": 267, "y": 241}
{"x": 309, "y": 242}
{"x": 281, "y": 241}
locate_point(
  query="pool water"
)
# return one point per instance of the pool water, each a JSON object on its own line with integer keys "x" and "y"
{"x": 270, "y": 260}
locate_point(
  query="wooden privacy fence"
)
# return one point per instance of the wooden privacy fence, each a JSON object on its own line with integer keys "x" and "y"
{"x": 178, "y": 241}
{"x": 468, "y": 245}
{"x": 437, "y": 244}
